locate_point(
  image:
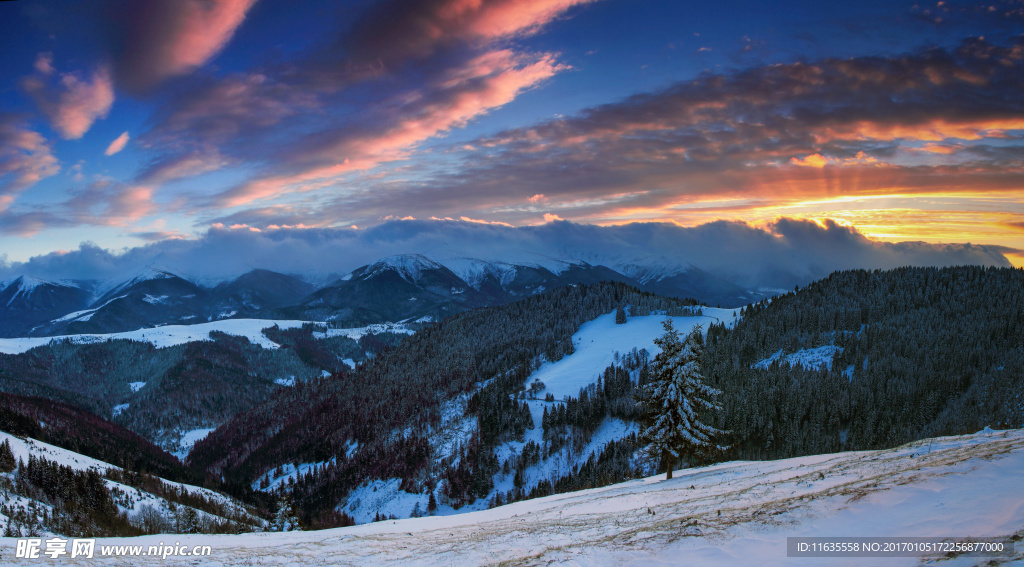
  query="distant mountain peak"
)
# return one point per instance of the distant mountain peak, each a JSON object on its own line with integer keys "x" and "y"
{"x": 409, "y": 266}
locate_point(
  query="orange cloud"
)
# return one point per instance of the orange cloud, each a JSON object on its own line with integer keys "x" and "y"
{"x": 930, "y": 131}
{"x": 813, "y": 160}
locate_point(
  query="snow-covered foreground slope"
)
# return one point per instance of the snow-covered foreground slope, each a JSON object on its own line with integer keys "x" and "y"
{"x": 737, "y": 513}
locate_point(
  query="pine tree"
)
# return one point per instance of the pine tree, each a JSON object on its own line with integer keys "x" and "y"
{"x": 7, "y": 462}
{"x": 675, "y": 399}
{"x": 620, "y": 315}
{"x": 432, "y": 504}
{"x": 285, "y": 520}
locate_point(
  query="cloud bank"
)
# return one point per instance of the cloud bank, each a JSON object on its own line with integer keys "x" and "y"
{"x": 746, "y": 255}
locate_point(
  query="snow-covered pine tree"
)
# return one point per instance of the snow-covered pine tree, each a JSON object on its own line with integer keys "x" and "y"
{"x": 675, "y": 398}
{"x": 285, "y": 520}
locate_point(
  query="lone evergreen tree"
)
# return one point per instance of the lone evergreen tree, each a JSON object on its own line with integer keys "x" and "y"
{"x": 620, "y": 315}
{"x": 675, "y": 397}
{"x": 285, "y": 520}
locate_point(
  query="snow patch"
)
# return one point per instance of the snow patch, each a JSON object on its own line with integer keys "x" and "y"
{"x": 289, "y": 381}
{"x": 597, "y": 341}
{"x": 189, "y": 439}
{"x": 359, "y": 332}
{"x": 383, "y": 498}
{"x": 276, "y": 478}
{"x": 808, "y": 358}
{"x": 166, "y": 336}
{"x": 136, "y": 386}
{"x": 118, "y": 409}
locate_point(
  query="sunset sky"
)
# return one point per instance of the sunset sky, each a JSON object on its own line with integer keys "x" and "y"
{"x": 125, "y": 123}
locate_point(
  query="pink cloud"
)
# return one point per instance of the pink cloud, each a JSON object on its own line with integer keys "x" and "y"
{"x": 397, "y": 30}
{"x": 44, "y": 63}
{"x": 117, "y": 145}
{"x": 73, "y": 103}
{"x": 504, "y": 18}
{"x": 481, "y": 84}
{"x": 164, "y": 38}
{"x": 25, "y": 159}
{"x": 185, "y": 165}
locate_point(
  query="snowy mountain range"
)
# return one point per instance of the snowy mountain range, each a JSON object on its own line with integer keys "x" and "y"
{"x": 391, "y": 289}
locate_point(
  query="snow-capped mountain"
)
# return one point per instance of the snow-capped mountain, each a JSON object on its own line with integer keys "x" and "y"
{"x": 149, "y": 299}
{"x": 27, "y": 302}
{"x": 393, "y": 288}
{"x": 156, "y": 298}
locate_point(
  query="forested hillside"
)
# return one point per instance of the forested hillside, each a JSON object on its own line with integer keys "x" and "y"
{"x": 919, "y": 352}
{"x": 161, "y": 393}
{"x": 389, "y": 406}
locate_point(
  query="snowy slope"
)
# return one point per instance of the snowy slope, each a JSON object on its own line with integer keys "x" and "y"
{"x": 171, "y": 335}
{"x": 23, "y": 447}
{"x": 597, "y": 341}
{"x": 737, "y": 513}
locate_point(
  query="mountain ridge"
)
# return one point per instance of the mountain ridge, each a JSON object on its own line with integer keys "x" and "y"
{"x": 393, "y": 288}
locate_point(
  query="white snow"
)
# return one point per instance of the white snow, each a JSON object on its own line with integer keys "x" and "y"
{"x": 290, "y": 472}
{"x": 382, "y": 497}
{"x": 161, "y": 337}
{"x": 26, "y": 285}
{"x": 408, "y": 266}
{"x": 118, "y": 409}
{"x": 502, "y": 265}
{"x": 808, "y": 358}
{"x": 136, "y": 386}
{"x": 86, "y": 314}
{"x": 736, "y": 513}
{"x": 155, "y": 299}
{"x": 189, "y": 439}
{"x": 597, "y": 341}
{"x": 145, "y": 274}
{"x": 134, "y": 498}
{"x": 357, "y": 333}
{"x": 289, "y": 381}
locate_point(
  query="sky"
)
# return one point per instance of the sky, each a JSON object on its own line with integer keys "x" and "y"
{"x": 128, "y": 125}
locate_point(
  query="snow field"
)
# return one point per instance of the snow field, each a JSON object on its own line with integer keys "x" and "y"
{"x": 597, "y": 341}
{"x": 172, "y": 335}
{"x": 736, "y": 513}
{"x": 189, "y": 440}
